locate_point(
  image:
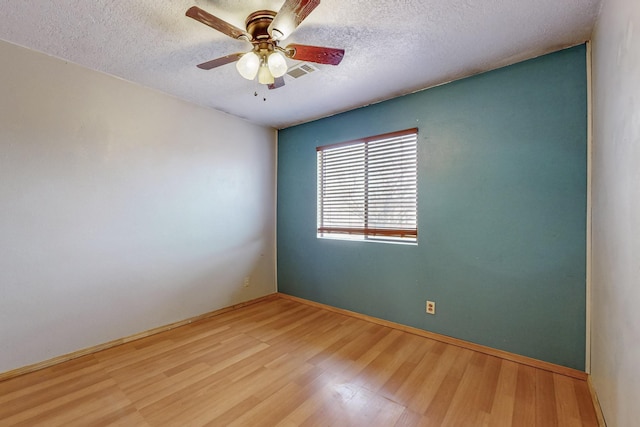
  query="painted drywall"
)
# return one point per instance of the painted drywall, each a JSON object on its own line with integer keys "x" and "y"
{"x": 615, "y": 346}
{"x": 501, "y": 212}
{"x": 121, "y": 208}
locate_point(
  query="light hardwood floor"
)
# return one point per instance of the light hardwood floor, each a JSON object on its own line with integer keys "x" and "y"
{"x": 281, "y": 362}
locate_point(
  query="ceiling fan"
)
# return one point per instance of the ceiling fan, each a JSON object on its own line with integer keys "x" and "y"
{"x": 265, "y": 30}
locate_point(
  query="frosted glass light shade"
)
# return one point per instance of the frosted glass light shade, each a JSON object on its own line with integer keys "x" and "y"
{"x": 264, "y": 75}
{"x": 277, "y": 64}
{"x": 248, "y": 65}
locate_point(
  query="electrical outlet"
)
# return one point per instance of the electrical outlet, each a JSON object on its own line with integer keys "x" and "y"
{"x": 246, "y": 282}
{"x": 431, "y": 307}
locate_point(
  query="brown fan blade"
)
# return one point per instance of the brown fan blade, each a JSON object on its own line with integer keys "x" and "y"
{"x": 278, "y": 82}
{"x": 220, "y": 61}
{"x": 320, "y": 55}
{"x": 216, "y": 23}
{"x": 291, "y": 14}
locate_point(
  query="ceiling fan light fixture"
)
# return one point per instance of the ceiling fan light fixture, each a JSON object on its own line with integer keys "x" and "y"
{"x": 264, "y": 30}
{"x": 277, "y": 64}
{"x": 264, "y": 75}
{"x": 248, "y": 65}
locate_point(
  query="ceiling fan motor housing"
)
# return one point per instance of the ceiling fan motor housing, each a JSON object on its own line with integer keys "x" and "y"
{"x": 258, "y": 23}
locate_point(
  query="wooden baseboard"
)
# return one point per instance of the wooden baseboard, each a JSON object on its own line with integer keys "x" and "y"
{"x": 89, "y": 350}
{"x": 552, "y": 367}
{"x": 596, "y": 403}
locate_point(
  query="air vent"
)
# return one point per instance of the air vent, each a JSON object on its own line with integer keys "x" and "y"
{"x": 301, "y": 70}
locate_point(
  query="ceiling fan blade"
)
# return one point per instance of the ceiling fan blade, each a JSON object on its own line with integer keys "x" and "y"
{"x": 317, "y": 54}
{"x": 220, "y": 61}
{"x": 217, "y": 24}
{"x": 278, "y": 82}
{"x": 291, "y": 14}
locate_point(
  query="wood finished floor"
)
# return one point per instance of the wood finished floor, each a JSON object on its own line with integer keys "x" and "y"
{"x": 280, "y": 362}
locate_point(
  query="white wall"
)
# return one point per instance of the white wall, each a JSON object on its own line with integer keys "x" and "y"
{"x": 121, "y": 208}
{"x": 616, "y": 212}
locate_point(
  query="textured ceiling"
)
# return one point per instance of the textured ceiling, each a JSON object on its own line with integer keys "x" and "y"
{"x": 392, "y": 47}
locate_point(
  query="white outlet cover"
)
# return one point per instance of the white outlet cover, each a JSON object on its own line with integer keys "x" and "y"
{"x": 430, "y": 307}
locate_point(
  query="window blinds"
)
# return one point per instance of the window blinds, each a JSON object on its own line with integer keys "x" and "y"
{"x": 368, "y": 187}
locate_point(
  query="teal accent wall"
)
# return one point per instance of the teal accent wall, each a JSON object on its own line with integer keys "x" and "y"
{"x": 502, "y": 173}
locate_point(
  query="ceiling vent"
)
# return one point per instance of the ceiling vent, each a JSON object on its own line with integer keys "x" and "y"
{"x": 301, "y": 70}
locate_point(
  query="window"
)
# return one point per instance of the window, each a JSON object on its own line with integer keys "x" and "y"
{"x": 367, "y": 188}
